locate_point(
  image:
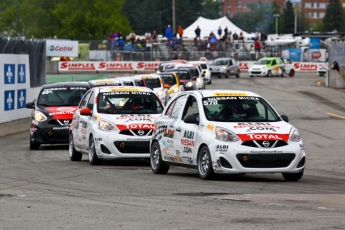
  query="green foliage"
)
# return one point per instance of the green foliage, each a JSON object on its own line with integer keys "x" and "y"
{"x": 334, "y": 18}
{"x": 288, "y": 18}
{"x": 211, "y": 9}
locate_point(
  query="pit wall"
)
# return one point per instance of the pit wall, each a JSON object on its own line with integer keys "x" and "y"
{"x": 15, "y": 88}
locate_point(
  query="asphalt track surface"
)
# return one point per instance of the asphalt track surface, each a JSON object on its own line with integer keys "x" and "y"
{"x": 44, "y": 190}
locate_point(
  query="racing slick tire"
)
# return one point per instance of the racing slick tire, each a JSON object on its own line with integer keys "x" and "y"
{"x": 204, "y": 163}
{"x": 292, "y": 73}
{"x": 74, "y": 155}
{"x": 269, "y": 74}
{"x": 292, "y": 176}
{"x": 157, "y": 165}
{"x": 227, "y": 75}
{"x": 93, "y": 158}
{"x": 283, "y": 73}
{"x": 238, "y": 74}
{"x": 34, "y": 145}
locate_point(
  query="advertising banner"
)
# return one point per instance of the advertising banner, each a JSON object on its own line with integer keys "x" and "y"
{"x": 61, "y": 48}
{"x": 315, "y": 43}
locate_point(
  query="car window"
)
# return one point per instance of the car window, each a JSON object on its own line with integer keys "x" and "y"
{"x": 139, "y": 82}
{"x": 238, "y": 109}
{"x": 203, "y": 66}
{"x": 273, "y": 62}
{"x": 91, "y": 101}
{"x": 179, "y": 102}
{"x": 183, "y": 75}
{"x": 85, "y": 100}
{"x": 168, "y": 79}
{"x": 263, "y": 62}
{"x": 230, "y": 62}
{"x": 191, "y": 107}
{"x": 169, "y": 110}
{"x": 153, "y": 83}
{"x": 61, "y": 96}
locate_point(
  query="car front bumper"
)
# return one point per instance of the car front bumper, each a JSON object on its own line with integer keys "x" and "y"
{"x": 45, "y": 133}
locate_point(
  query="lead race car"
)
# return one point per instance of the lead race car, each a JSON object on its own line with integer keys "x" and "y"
{"x": 114, "y": 122}
{"x": 226, "y": 131}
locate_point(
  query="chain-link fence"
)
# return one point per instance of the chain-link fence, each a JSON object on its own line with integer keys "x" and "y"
{"x": 336, "y": 51}
{"x": 35, "y": 48}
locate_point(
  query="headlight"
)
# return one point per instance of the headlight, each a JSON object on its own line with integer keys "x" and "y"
{"x": 225, "y": 135}
{"x": 106, "y": 125}
{"x": 176, "y": 89}
{"x": 225, "y": 67}
{"x": 39, "y": 116}
{"x": 189, "y": 84}
{"x": 198, "y": 79}
{"x": 160, "y": 93}
{"x": 207, "y": 72}
{"x": 294, "y": 135}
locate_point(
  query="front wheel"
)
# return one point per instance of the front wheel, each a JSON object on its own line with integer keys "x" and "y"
{"x": 292, "y": 176}
{"x": 292, "y": 73}
{"x": 74, "y": 155}
{"x": 93, "y": 158}
{"x": 283, "y": 73}
{"x": 157, "y": 164}
{"x": 238, "y": 74}
{"x": 269, "y": 74}
{"x": 34, "y": 145}
{"x": 205, "y": 169}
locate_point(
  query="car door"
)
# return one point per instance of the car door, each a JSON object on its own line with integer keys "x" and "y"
{"x": 185, "y": 134}
{"x": 166, "y": 126}
{"x": 85, "y": 122}
{"x": 77, "y": 122}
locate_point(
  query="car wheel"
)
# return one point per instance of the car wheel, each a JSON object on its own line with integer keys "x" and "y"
{"x": 74, "y": 155}
{"x": 93, "y": 158}
{"x": 157, "y": 164}
{"x": 292, "y": 176}
{"x": 269, "y": 74}
{"x": 238, "y": 74}
{"x": 251, "y": 76}
{"x": 292, "y": 73}
{"x": 227, "y": 75}
{"x": 283, "y": 73}
{"x": 205, "y": 169}
{"x": 210, "y": 82}
{"x": 34, "y": 145}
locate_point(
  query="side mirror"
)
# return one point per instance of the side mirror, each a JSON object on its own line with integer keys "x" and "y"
{"x": 85, "y": 111}
{"x": 285, "y": 118}
{"x": 30, "y": 105}
{"x": 166, "y": 86}
{"x": 191, "y": 119}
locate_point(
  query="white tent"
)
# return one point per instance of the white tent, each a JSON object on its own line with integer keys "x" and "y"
{"x": 212, "y": 25}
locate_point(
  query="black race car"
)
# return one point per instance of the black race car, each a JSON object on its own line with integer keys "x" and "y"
{"x": 53, "y": 111}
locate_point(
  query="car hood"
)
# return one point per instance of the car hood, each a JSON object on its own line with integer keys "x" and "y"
{"x": 132, "y": 121}
{"x": 58, "y": 112}
{"x": 258, "y": 66}
{"x": 257, "y": 130}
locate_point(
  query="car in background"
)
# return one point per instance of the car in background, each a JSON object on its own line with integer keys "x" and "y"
{"x": 268, "y": 67}
{"x": 172, "y": 83}
{"x": 225, "y": 67}
{"x": 126, "y": 81}
{"x": 114, "y": 122}
{"x": 226, "y": 132}
{"x": 154, "y": 82}
{"x": 52, "y": 112}
{"x": 105, "y": 82}
{"x": 205, "y": 67}
{"x": 185, "y": 78}
{"x": 196, "y": 72}
{"x": 289, "y": 67}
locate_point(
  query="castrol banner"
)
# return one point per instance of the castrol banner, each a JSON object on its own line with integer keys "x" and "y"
{"x": 106, "y": 66}
{"x": 61, "y": 48}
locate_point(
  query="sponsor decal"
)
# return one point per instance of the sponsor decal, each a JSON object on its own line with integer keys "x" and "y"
{"x": 263, "y": 136}
{"x": 166, "y": 151}
{"x": 229, "y": 94}
{"x": 136, "y": 126}
{"x": 125, "y": 89}
{"x": 77, "y": 66}
{"x": 168, "y": 133}
{"x": 60, "y": 128}
{"x": 128, "y": 118}
{"x": 222, "y": 148}
{"x": 138, "y": 139}
{"x": 188, "y": 135}
{"x": 187, "y": 149}
{"x": 210, "y": 127}
{"x": 115, "y": 66}
{"x": 187, "y": 142}
{"x": 83, "y": 131}
{"x": 83, "y": 137}
{"x": 61, "y": 113}
{"x": 305, "y": 66}
{"x": 187, "y": 159}
{"x": 98, "y": 139}
{"x": 265, "y": 151}
{"x": 147, "y": 65}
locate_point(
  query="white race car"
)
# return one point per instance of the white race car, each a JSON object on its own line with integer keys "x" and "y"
{"x": 205, "y": 70}
{"x": 226, "y": 131}
{"x": 267, "y": 67}
{"x": 114, "y": 122}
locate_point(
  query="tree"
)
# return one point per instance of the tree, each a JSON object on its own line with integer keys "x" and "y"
{"x": 334, "y": 18}
{"x": 288, "y": 18}
{"x": 211, "y": 9}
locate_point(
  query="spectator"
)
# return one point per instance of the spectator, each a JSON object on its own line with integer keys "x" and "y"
{"x": 257, "y": 46}
{"x": 335, "y": 66}
{"x": 180, "y": 31}
{"x": 197, "y": 33}
{"x": 241, "y": 38}
{"x": 263, "y": 37}
{"x": 115, "y": 35}
{"x": 110, "y": 37}
{"x": 148, "y": 37}
{"x": 257, "y": 35}
{"x": 120, "y": 34}
{"x": 168, "y": 32}
{"x": 226, "y": 33}
{"x": 220, "y": 32}
{"x": 132, "y": 37}
{"x": 235, "y": 36}
{"x": 154, "y": 36}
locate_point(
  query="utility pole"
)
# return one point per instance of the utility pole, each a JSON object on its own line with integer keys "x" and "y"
{"x": 17, "y": 9}
{"x": 173, "y": 16}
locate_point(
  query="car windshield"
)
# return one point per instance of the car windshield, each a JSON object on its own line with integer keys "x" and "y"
{"x": 128, "y": 103}
{"x": 238, "y": 109}
{"x": 168, "y": 79}
{"x": 203, "y": 66}
{"x": 61, "y": 96}
{"x": 183, "y": 75}
{"x": 263, "y": 62}
{"x": 220, "y": 62}
{"x": 153, "y": 83}
{"x": 194, "y": 71}
{"x": 104, "y": 83}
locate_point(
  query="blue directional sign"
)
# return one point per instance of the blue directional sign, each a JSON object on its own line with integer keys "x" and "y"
{"x": 21, "y": 73}
{"x": 9, "y": 99}
{"x": 9, "y": 73}
{"x": 21, "y": 98}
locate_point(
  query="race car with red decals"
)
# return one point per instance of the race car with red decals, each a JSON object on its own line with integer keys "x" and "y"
{"x": 114, "y": 122}
{"x": 52, "y": 112}
{"x": 228, "y": 132}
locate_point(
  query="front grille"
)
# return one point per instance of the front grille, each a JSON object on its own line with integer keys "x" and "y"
{"x": 255, "y": 72}
{"x": 281, "y": 160}
{"x": 60, "y": 122}
{"x": 128, "y": 132}
{"x": 260, "y": 144}
{"x": 133, "y": 147}
{"x": 225, "y": 163}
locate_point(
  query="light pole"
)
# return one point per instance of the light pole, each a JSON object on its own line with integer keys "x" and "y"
{"x": 173, "y": 11}
{"x": 276, "y": 16}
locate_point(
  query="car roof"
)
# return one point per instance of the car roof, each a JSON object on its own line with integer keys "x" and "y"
{"x": 105, "y": 89}
{"x": 224, "y": 93}
{"x": 67, "y": 84}
{"x": 103, "y": 82}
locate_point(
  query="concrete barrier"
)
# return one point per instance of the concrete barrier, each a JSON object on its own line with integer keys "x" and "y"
{"x": 334, "y": 79}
